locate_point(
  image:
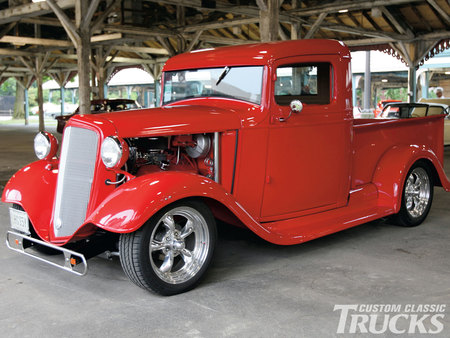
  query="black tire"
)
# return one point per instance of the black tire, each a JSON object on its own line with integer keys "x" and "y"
{"x": 417, "y": 196}
{"x": 182, "y": 236}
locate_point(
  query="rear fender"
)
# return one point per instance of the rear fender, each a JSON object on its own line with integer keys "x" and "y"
{"x": 391, "y": 171}
{"x": 134, "y": 202}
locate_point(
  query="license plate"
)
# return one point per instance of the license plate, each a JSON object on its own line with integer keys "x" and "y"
{"x": 19, "y": 220}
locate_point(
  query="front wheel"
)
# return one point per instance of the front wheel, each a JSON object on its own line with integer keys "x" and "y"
{"x": 417, "y": 197}
{"x": 172, "y": 251}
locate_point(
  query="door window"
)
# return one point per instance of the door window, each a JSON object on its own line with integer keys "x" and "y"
{"x": 309, "y": 83}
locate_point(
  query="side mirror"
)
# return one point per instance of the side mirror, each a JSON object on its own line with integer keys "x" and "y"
{"x": 296, "y": 106}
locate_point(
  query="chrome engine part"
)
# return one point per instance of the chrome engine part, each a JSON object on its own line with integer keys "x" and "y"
{"x": 201, "y": 148}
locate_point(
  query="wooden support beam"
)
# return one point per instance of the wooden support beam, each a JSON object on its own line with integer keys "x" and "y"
{"x": 68, "y": 25}
{"x": 148, "y": 50}
{"x": 440, "y": 10}
{"x": 262, "y": 5}
{"x": 315, "y": 26}
{"x": 106, "y": 37}
{"x": 353, "y": 19}
{"x": 3, "y": 70}
{"x": 371, "y": 21}
{"x": 194, "y": 40}
{"x": 42, "y": 21}
{"x": 346, "y": 5}
{"x": 269, "y": 21}
{"x": 31, "y": 9}
{"x": 421, "y": 18}
{"x": 361, "y": 31}
{"x": 219, "y": 24}
{"x": 7, "y": 29}
{"x": 98, "y": 22}
{"x": 398, "y": 26}
{"x": 83, "y": 55}
{"x": 20, "y": 41}
{"x": 87, "y": 17}
{"x": 167, "y": 45}
{"x": 282, "y": 34}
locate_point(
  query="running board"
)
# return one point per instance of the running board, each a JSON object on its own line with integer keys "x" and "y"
{"x": 70, "y": 261}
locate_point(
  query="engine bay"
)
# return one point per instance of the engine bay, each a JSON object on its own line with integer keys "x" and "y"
{"x": 171, "y": 153}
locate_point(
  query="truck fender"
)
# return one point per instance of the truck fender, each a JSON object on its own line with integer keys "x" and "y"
{"x": 133, "y": 203}
{"x": 32, "y": 187}
{"x": 391, "y": 171}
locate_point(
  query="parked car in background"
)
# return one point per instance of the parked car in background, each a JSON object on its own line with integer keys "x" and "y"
{"x": 51, "y": 110}
{"x": 381, "y": 105}
{"x": 100, "y": 106}
{"x": 405, "y": 110}
{"x": 447, "y": 119}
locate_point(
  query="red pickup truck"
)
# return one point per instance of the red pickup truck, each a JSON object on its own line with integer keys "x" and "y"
{"x": 260, "y": 136}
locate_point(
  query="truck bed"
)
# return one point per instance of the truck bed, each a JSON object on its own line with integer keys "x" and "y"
{"x": 374, "y": 137}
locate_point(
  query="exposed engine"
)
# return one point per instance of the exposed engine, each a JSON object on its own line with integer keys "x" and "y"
{"x": 183, "y": 152}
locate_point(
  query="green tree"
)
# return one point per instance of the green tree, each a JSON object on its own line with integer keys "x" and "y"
{"x": 8, "y": 88}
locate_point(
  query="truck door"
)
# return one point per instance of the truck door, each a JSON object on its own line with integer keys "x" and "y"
{"x": 309, "y": 157}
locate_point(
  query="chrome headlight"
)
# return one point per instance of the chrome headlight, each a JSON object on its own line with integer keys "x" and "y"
{"x": 114, "y": 152}
{"x": 45, "y": 145}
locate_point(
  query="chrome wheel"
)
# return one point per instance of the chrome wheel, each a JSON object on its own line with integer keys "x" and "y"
{"x": 417, "y": 192}
{"x": 417, "y": 196}
{"x": 171, "y": 252}
{"x": 179, "y": 245}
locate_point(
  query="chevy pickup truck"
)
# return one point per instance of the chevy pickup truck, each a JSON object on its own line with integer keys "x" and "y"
{"x": 259, "y": 136}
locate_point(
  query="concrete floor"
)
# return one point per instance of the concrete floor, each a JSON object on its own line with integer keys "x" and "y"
{"x": 253, "y": 288}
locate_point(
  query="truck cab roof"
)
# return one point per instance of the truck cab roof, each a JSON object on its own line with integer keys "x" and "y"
{"x": 254, "y": 54}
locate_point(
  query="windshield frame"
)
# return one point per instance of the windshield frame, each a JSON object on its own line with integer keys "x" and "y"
{"x": 219, "y": 76}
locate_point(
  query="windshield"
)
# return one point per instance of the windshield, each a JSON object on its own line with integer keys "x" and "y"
{"x": 241, "y": 83}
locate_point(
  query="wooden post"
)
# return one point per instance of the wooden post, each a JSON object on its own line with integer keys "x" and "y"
{"x": 80, "y": 34}
{"x": 269, "y": 19}
{"x": 83, "y": 56}
{"x": 40, "y": 102}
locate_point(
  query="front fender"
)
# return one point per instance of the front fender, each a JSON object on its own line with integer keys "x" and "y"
{"x": 134, "y": 202}
{"x": 33, "y": 188}
{"x": 391, "y": 171}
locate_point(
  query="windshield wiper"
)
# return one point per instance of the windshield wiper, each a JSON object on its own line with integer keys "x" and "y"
{"x": 222, "y": 76}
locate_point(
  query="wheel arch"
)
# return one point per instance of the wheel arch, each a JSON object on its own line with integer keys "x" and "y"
{"x": 391, "y": 171}
{"x": 135, "y": 202}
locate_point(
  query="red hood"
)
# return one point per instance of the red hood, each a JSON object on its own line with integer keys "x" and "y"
{"x": 169, "y": 120}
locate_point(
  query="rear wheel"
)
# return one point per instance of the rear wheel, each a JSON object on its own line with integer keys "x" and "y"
{"x": 172, "y": 251}
{"x": 417, "y": 196}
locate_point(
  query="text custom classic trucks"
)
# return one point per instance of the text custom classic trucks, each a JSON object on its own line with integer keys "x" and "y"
{"x": 260, "y": 136}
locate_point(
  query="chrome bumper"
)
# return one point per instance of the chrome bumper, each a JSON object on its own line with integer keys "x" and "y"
{"x": 69, "y": 260}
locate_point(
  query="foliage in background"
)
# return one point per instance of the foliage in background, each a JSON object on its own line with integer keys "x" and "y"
{"x": 8, "y": 88}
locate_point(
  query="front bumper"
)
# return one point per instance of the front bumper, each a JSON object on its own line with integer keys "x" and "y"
{"x": 67, "y": 260}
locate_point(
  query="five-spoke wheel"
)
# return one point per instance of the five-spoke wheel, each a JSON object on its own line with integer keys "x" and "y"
{"x": 171, "y": 252}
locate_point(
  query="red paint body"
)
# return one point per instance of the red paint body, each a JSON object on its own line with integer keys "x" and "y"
{"x": 315, "y": 173}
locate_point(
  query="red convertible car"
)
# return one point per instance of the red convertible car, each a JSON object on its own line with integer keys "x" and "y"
{"x": 260, "y": 136}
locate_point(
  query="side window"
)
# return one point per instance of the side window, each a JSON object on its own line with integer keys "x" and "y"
{"x": 308, "y": 82}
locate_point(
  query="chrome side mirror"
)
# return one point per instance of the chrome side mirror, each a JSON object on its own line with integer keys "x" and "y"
{"x": 296, "y": 106}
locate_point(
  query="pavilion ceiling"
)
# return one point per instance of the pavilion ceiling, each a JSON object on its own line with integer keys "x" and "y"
{"x": 146, "y": 32}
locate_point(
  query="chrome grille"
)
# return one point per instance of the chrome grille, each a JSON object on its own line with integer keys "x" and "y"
{"x": 76, "y": 172}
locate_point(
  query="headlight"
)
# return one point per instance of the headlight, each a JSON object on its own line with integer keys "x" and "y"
{"x": 114, "y": 152}
{"x": 45, "y": 145}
